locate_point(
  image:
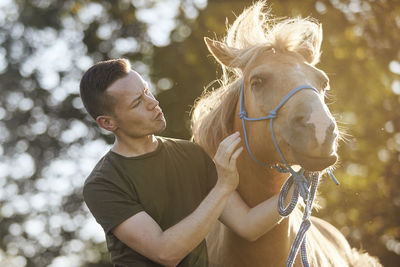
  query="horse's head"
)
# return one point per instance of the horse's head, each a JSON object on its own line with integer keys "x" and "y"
{"x": 304, "y": 127}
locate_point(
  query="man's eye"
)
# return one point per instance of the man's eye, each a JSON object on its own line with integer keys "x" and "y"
{"x": 137, "y": 104}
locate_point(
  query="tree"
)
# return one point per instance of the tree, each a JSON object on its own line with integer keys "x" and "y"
{"x": 48, "y": 141}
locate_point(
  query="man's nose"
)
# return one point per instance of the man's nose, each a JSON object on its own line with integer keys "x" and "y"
{"x": 152, "y": 102}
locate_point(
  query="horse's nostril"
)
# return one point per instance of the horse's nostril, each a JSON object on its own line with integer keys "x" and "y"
{"x": 300, "y": 121}
{"x": 332, "y": 131}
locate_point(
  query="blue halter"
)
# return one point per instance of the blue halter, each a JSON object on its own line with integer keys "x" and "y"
{"x": 303, "y": 185}
{"x": 272, "y": 115}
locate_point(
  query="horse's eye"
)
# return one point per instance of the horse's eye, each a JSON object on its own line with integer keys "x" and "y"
{"x": 256, "y": 82}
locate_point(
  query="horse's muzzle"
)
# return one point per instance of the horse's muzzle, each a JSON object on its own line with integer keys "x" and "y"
{"x": 315, "y": 163}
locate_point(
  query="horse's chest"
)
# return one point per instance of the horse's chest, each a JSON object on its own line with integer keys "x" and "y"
{"x": 269, "y": 250}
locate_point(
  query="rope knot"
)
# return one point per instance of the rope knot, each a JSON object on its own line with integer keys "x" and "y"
{"x": 281, "y": 169}
{"x": 242, "y": 114}
{"x": 273, "y": 114}
{"x": 302, "y": 185}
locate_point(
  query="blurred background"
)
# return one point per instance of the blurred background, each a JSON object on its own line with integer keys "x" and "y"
{"x": 48, "y": 143}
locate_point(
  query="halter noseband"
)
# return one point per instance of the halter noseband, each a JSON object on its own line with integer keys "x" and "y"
{"x": 305, "y": 187}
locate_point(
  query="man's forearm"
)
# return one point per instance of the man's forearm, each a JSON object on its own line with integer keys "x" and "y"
{"x": 263, "y": 217}
{"x": 177, "y": 241}
{"x": 251, "y": 223}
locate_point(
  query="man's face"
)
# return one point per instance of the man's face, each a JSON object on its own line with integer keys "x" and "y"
{"x": 136, "y": 111}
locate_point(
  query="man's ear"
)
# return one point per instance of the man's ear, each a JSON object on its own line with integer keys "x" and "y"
{"x": 224, "y": 54}
{"x": 107, "y": 122}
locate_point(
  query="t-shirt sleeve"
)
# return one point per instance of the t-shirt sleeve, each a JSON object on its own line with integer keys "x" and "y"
{"x": 109, "y": 203}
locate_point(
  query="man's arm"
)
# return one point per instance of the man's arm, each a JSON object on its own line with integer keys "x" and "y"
{"x": 251, "y": 223}
{"x": 169, "y": 247}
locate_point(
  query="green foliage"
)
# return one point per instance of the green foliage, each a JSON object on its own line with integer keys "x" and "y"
{"x": 48, "y": 143}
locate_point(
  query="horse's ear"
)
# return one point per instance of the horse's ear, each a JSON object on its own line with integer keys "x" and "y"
{"x": 310, "y": 48}
{"x": 224, "y": 54}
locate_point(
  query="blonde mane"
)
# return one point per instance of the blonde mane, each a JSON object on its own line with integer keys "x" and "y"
{"x": 253, "y": 31}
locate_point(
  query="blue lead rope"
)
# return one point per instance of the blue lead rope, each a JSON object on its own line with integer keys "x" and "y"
{"x": 300, "y": 239}
{"x": 310, "y": 183}
{"x": 305, "y": 186}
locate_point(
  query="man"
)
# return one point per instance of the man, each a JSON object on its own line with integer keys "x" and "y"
{"x": 157, "y": 198}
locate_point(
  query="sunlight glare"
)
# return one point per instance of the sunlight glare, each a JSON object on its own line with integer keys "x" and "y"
{"x": 34, "y": 226}
{"x": 394, "y": 67}
{"x": 396, "y": 87}
{"x": 26, "y": 166}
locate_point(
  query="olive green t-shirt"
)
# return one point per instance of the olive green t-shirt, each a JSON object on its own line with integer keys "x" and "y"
{"x": 168, "y": 184}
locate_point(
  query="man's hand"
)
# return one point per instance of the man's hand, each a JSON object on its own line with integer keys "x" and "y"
{"x": 225, "y": 162}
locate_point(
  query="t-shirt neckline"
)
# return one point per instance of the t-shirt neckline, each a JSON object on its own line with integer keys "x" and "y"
{"x": 143, "y": 156}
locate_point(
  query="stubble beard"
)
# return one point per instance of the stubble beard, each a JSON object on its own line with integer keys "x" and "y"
{"x": 162, "y": 128}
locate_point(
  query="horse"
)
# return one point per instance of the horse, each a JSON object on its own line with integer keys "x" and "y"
{"x": 268, "y": 57}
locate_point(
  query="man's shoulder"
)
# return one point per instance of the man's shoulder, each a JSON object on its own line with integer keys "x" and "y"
{"x": 101, "y": 170}
{"x": 189, "y": 149}
{"x": 171, "y": 142}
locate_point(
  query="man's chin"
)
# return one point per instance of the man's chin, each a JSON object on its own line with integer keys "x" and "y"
{"x": 162, "y": 128}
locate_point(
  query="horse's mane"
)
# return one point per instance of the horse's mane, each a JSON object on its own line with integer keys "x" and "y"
{"x": 254, "y": 30}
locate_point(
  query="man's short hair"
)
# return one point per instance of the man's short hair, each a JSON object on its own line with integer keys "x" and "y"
{"x": 95, "y": 82}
